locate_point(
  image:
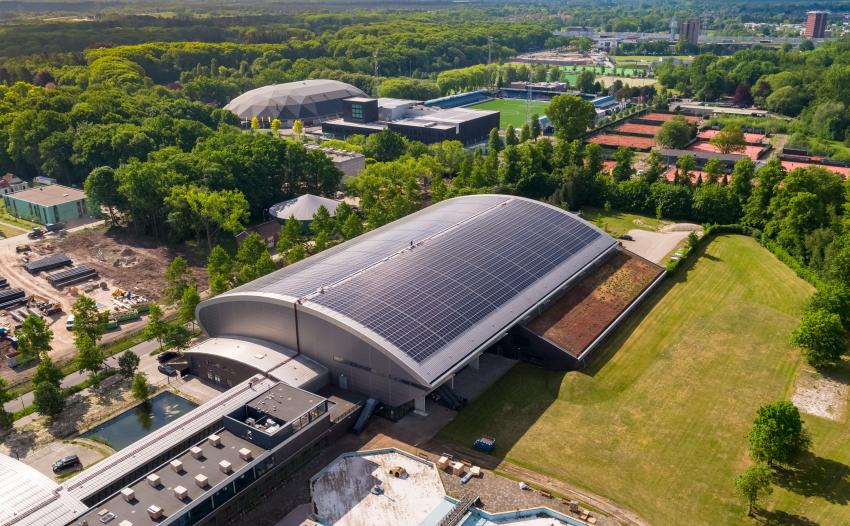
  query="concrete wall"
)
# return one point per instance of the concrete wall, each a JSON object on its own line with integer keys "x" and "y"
{"x": 364, "y": 368}
{"x": 219, "y": 370}
{"x": 65, "y": 212}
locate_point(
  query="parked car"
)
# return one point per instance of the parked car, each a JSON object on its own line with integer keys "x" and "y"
{"x": 66, "y": 462}
{"x": 69, "y": 323}
{"x": 54, "y": 227}
{"x": 167, "y": 370}
{"x": 626, "y": 237}
{"x": 167, "y": 355}
{"x": 35, "y": 233}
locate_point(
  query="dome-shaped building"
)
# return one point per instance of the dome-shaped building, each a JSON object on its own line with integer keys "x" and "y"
{"x": 309, "y": 101}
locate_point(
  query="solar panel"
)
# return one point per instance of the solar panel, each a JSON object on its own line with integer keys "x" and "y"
{"x": 424, "y": 298}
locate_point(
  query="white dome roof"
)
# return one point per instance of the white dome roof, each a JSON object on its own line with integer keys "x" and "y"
{"x": 306, "y": 99}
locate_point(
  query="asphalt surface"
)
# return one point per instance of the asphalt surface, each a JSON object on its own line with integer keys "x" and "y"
{"x": 147, "y": 365}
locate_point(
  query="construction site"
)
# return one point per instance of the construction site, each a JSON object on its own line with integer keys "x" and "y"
{"x": 48, "y": 272}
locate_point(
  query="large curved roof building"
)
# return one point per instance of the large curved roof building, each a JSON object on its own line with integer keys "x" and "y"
{"x": 395, "y": 312}
{"x": 306, "y": 100}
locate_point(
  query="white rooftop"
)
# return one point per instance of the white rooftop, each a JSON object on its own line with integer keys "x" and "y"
{"x": 342, "y": 491}
{"x": 29, "y": 498}
{"x": 281, "y": 363}
{"x": 302, "y": 207}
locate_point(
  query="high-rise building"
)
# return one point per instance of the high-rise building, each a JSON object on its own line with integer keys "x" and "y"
{"x": 815, "y": 24}
{"x": 689, "y": 30}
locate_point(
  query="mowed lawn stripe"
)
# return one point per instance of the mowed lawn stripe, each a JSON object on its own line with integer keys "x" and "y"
{"x": 658, "y": 423}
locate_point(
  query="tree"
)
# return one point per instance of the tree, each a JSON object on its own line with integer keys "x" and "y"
{"x": 47, "y": 371}
{"x": 742, "y": 179}
{"x": 570, "y": 115}
{"x": 127, "y": 363}
{"x": 322, "y": 222}
{"x": 777, "y": 435}
{"x": 410, "y": 89}
{"x": 48, "y": 400}
{"x": 351, "y": 227}
{"x": 525, "y": 133}
{"x": 253, "y": 259}
{"x": 89, "y": 356}
{"x": 177, "y": 336}
{"x": 624, "y": 158}
{"x": 536, "y": 130}
{"x": 713, "y": 170}
{"x": 753, "y": 484}
{"x": 219, "y": 270}
{"x": 34, "y": 337}
{"x": 385, "y": 145}
{"x": 494, "y": 142}
{"x": 6, "y": 418}
{"x": 295, "y": 254}
{"x": 207, "y": 211}
{"x": 140, "y": 388}
{"x": 715, "y": 204}
{"x": 276, "y": 125}
{"x": 297, "y": 127}
{"x": 655, "y": 166}
{"x": 510, "y": 136}
{"x": 822, "y": 337}
{"x": 675, "y": 133}
{"x": 729, "y": 139}
{"x": 686, "y": 164}
{"x": 833, "y": 297}
{"x": 88, "y": 320}
{"x": 157, "y": 326}
{"x": 102, "y": 188}
{"x": 743, "y": 97}
{"x": 290, "y": 235}
{"x": 255, "y": 123}
{"x": 187, "y": 305}
{"x": 178, "y": 278}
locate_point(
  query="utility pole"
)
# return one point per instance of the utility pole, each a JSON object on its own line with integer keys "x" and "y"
{"x": 489, "y": 50}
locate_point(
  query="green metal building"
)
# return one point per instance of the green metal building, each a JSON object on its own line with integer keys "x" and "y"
{"x": 49, "y": 204}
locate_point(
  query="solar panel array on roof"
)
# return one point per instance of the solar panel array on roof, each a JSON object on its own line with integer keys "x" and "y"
{"x": 429, "y": 295}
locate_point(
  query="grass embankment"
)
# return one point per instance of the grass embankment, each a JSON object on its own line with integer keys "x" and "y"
{"x": 512, "y": 111}
{"x": 658, "y": 421}
{"x": 6, "y": 217}
{"x": 618, "y": 223}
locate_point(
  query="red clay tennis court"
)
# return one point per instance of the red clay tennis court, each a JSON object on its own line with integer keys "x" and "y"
{"x": 750, "y": 151}
{"x": 748, "y": 137}
{"x": 643, "y": 129}
{"x": 843, "y": 171}
{"x": 640, "y": 143}
{"x": 664, "y": 117}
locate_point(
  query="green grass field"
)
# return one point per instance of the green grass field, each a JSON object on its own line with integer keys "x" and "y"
{"x": 513, "y": 111}
{"x": 624, "y": 60}
{"x": 658, "y": 421}
{"x": 618, "y": 223}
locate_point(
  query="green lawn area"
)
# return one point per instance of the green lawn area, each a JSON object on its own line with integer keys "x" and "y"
{"x": 513, "y": 111}
{"x": 9, "y": 230}
{"x": 658, "y": 421}
{"x": 601, "y": 70}
{"x": 619, "y": 59}
{"x": 618, "y": 223}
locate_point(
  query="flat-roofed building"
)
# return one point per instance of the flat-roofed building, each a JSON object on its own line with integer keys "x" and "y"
{"x": 49, "y": 204}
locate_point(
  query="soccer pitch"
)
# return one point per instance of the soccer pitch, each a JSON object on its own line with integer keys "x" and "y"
{"x": 512, "y": 111}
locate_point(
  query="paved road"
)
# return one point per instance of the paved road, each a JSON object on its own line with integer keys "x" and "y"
{"x": 147, "y": 366}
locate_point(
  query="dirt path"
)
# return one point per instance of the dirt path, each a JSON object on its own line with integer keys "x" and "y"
{"x": 607, "y": 507}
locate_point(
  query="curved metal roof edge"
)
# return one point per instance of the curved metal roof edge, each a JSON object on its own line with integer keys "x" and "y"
{"x": 421, "y": 370}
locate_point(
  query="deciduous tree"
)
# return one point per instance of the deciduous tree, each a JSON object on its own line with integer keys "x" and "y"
{"x": 127, "y": 363}
{"x": 48, "y": 400}
{"x": 822, "y": 337}
{"x": 753, "y": 484}
{"x": 34, "y": 337}
{"x": 777, "y": 435}
{"x": 570, "y": 115}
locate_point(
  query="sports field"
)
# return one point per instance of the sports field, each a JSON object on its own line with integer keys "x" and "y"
{"x": 513, "y": 111}
{"x": 627, "y": 60}
{"x": 658, "y": 422}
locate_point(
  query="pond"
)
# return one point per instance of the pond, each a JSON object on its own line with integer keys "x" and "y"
{"x": 131, "y": 425}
